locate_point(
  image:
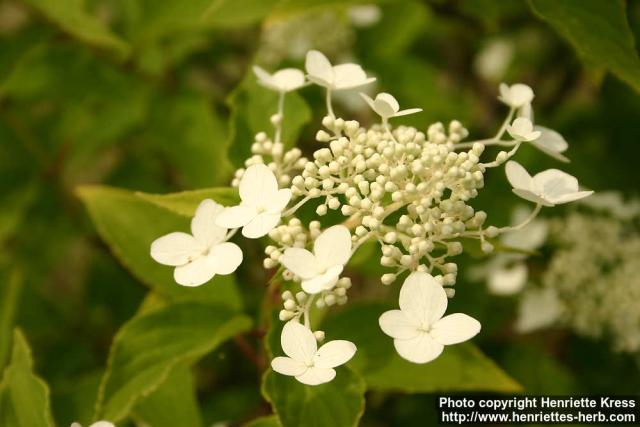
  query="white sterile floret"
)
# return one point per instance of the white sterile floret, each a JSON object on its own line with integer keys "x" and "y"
{"x": 418, "y": 328}
{"x": 551, "y": 142}
{"x": 522, "y": 130}
{"x": 334, "y": 77}
{"x": 286, "y": 80}
{"x": 386, "y": 106}
{"x": 202, "y": 254}
{"x": 516, "y": 96}
{"x": 96, "y": 424}
{"x": 306, "y": 362}
{"x": 261, "y": 203}
{"x": 321, "y": 269}
{"x": 548, "y": 188}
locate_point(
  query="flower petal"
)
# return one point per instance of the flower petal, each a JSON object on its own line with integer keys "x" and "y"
{"x": 539, "y": 308}
{"x": 288, "y": 366}
{"x": 397, "y": 325}
{"x": 333, "y": 246}
{"x": 348, "y": 76}
{"x": 260, "y": 225}
{"x": 554, "y": 183}
{"x": 322, "y": 282}
{"x": 368, "y": 100}
{"x": 301, "y": 262}
{"x": 196, "y": 273}
{"x": 422, "y": 298}
{"x": 421, "y": 349}
{"x": 289, "y": 79}
{"x": 517, "y": 175}
{"x": 407, "y": 112}
{"x": 102, "y": 424}
{"x": 264, "y": 78}
{"x": 531, "y": 196}
{"x": 334, "y": 353}
{"x": 258, "y": 185}
{"x": 298, "y": 342}
{"x": 552, "y": 143}
{"x": 455, "y": 328}
{"x": 572, "y": 197}
{"x": 225, "y": 258}
{"x": 236, "y": 216}
{"x": 176, "y": 249}
{"x": 203, "y": 224}
{"x": 316, "y": 376}
{"x": 279, "y": 202}
{"x": 319, "y": 68}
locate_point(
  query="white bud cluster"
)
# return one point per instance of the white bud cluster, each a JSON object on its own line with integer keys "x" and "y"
{"x": 293, "y": 305}
{"x": 283, "y": 163}
{"x": 289, "y": 235}
{"x": 336, "y": 295}
{"x": 370, "y": 174}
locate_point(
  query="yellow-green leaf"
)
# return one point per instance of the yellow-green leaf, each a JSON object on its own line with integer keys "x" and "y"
{"x": 24, "y": 397}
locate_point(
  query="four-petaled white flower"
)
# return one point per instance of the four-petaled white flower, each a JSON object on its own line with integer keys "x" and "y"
{"x": 548, "y": 188}
{"x": 516, "y": 96}
{"x": 551, "y": 142}
{"x": 334, "y": 77}
{"x": 261, "y": 206}
{"x": 308, "y": 363}
{"x": 201, "y": 255}
{"x": 321, "y": 269}
{"x": 386, "y": 106}
{"x": 96, "y": 424}
{"x": 286, "y": 80}
{"x": 418, "y": 328}
{"x": 522, "y": 130}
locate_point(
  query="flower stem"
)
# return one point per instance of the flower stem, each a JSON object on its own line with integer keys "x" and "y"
{"x": 524, "y": 223}
{"x": 278, "y": 125}
{"x": 329, "y": 106}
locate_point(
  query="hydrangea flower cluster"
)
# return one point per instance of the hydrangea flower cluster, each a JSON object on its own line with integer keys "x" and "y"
{"x": 408, "y": 190}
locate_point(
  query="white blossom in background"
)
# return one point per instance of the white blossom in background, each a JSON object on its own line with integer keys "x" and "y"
{"x": 522, "y": 130}
{"x": 386, "y": 106}
{"x": 286, "y": 80}
{"x": 418, "y": 328}
{"x": 594, "y": 276}
{"x": 366, "y": 15}
{"x": 494, "y": 58}
{"x": 96, "y": 424}
{"x": 198, "y": 256}
{"x": 305, "y": 361}
{"x": 549, "y": 188}
{"x": 261, "y": 204}
{"x": 334, "y": 77}
{"x": 539, "y": 308}
{"x": 321, "y": 269}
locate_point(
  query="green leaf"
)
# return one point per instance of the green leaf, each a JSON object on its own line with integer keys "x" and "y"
{"x": 24, "y": 397}
{"x": 251, "y": 109}
{"x": 270, "y": 421}
{"x": 148, "y": 347}
{"x": 598, "y": 30}
{"x": 71, "y": 17}
{"x": 9, "y": 297}
{"x": 193, "y": 137}
{"x": 174, "y": 403}
{"x": 186, "y": 202}
{"x": 128, "y": 224}
{"x": 337, "y": 403}
{"x": 460, "y": 367}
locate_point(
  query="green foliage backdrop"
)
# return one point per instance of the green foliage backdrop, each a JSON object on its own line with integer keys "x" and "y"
{"x": 117, "y": 117}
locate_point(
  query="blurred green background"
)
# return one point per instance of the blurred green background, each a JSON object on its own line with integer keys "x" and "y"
{"x": 157, "y": 96}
